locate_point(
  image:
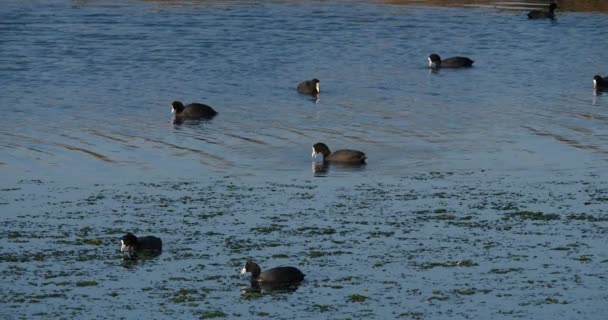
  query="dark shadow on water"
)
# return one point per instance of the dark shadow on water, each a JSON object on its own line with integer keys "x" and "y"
{"x": 192, "y": 122}
{"x": 323, "y": 169}
{"x": 600, "y": 91}
{"x": 130, "y": 262}
{"x": 269, "y": 288}
{"x": 599, "y": 94}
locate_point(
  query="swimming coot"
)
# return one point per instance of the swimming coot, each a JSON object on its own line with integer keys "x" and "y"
{"x": 130, "y": 245}
{"x": 539, "y": 14}
{"x": 282, "y": 275}
{"x": 320, "y": 152}
{"x": 453, "y": 62}
{"x": 309, "y": 87}
{"x": 192, "y": 111}
{"x": 599, "y": 82}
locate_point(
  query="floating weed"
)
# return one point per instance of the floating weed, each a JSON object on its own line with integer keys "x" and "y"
{"x": 321, "y": 307}
{"x": 505, "y": 270}
{"x": 412, "y": 315}
{"x": 15, "y": 235}
{"x": 240, "y": 245}
{"x": 212, "y": 314}
{"x": 505, "y": 207}
{"x": 378, "y": 234}
{"x": 187, "y": 295}
{"x": 304, "y": 196}
{"x": 550, "y": 300}
{"x": 266, "y": 230}
{"x": 63, "y": 283}
{"x": 95, "y": 242}
{"x": 439, "y": 217}
{"x": 263, "y": 314}
{"x": 586, "y": 217}
{"x": 38, "y": 257}
{"x": 182, "y": 299}
{"x": 461, "y": 263}
{"x": 48, "y": 295}
{"x": 86, "y": 283}
{"x": 537, "y": 216}
{"x": 251, "y": 295}
{"x": 583, "y": 259}
{"x": 561, "y": 248}
{"x": 60, "y": 274}
{"x": 317, "y": 231}
{"x": 347, "y": 279}
{"x": 438, "y": 298}
{"x": 356, "y": 298}
{"x": 317, "y": 254}
{"x": 334, "y": 286}
{"x": 183, "y": 292}
{"x": 12, "y": 258}
{"x": 471, "y": 291}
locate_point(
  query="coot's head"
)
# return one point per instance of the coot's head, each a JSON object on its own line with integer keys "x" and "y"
{"x": 128, "y": 244}
{"x": 252, "y": 267}
{"x": 434, "y": 60}
{"x": 320, "y": 151}
{"x": 178, "y": 107}
{"x": 552, "y": 6}
{"x": 316, "y": 89}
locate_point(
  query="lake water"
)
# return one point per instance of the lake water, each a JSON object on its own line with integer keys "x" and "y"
{"x": 484, "y": 195}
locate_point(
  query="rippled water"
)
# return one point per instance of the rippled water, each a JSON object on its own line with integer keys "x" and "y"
{"x": 89, "y": 85}
{"x": 86, "y": 91}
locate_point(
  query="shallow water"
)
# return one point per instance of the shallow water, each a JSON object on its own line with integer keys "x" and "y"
{"x": 442, "y": 223}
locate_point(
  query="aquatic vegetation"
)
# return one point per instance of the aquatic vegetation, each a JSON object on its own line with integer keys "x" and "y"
{"x": 529, "y": 215}
{"x": 412, "y": 315}
{"x": 356, "y": 298}
{"x": 449, "y": 264}
{"x": 95, "y": 242}
{"x": 438, "y": 298}
{"x": 471, "y": 291}
{"x": 86, "y": 283}
{"x": 251, "y": 295}
{"x": 266, "y": 230}
{"x": 583, "y": 259}
{"x": 418, "y": 235}
{"x": 505, "y": 270}
{"x": 322, "y": 307}
{"x": 213, "y": 314}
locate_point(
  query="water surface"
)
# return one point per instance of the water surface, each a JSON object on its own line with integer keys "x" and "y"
{"x": 484, "y": 195}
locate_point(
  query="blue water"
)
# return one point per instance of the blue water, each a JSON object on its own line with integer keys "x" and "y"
{"x": 86, "y": 89}
{"x": 88, "y": 85}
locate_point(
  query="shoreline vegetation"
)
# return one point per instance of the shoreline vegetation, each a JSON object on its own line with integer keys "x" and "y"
{"x": 563, "y": 5}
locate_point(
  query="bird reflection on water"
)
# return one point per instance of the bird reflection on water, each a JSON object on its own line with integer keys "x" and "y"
{"x": 322, "y": 169}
